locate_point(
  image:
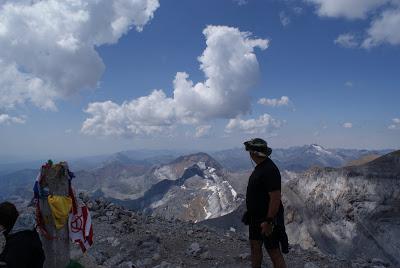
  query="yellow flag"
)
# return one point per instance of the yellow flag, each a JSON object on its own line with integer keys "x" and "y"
{"x": 60, "y": 207}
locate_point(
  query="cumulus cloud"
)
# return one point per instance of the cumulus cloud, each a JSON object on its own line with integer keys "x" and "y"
{"x": 265, "y": 123}
{"x": 231, "y": 70}
{"x": 283, "y": 101}
{"x": 202, "y": 131}
{"x": 7, "y": 119}
{"x": 48, "y": 48}
{"x": 347, "y": 125}
{"x": 145, "y": 115}
{"x": 284, "y": 18}
{"x": 240, "y": 2}
{"x": 348, "y": 84}
{"x": 298, "y": 10}
{"x": 395, "y": 125}
{"x": 346, "y": 40}
{"x": 384, "y": 29}
{"x": 350, "y": 9}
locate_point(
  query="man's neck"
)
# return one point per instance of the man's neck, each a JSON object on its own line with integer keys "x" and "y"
{"x": 259, "y": 160}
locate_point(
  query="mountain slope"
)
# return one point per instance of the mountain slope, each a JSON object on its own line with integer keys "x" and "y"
{"x": 351, "y": 211}
{"x": 192, "y": 188}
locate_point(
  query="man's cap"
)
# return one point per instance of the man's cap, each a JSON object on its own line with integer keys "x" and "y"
{"x": 258, "y": 145}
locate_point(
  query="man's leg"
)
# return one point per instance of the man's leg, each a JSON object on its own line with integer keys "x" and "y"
{"x": 256, "y": 253}
{"x": 276, "y": 257}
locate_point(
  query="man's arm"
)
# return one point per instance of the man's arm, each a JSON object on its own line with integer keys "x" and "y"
{"x": 273, "y": 208}
{"x": 274, "y": 203}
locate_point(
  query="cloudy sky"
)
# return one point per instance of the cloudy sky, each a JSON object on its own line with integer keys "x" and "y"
{"x": 88, "y": 77}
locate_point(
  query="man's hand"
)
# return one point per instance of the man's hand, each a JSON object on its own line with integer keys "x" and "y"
{"x": 266, "y": 228}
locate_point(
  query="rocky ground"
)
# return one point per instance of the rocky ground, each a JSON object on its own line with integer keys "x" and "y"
{"x": 127, "y": 239}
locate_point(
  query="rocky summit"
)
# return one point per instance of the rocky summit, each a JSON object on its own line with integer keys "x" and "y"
{"x": 186, "y": 212}
{"x": 124, "y": 238}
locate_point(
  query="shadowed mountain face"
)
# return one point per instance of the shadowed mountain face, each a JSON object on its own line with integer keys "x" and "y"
{"x": 349, "y": 211}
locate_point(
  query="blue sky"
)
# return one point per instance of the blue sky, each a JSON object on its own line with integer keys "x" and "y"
{"x": 340, "y": 94}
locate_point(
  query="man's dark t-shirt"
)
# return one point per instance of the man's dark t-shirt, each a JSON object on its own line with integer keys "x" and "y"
{"x": 265, "y": 178}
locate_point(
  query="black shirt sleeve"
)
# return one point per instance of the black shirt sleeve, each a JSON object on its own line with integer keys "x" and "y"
{"x": 274, "y": 180}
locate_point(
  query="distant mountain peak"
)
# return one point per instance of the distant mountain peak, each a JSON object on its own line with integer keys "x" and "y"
{"x": 119, "y": 157}
{"x": 203, "y": 160}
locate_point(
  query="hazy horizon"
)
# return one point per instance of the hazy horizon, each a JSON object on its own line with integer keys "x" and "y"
{"x": 11, "y": 159}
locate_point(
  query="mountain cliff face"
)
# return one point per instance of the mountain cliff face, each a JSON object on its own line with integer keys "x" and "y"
{"x": 351, "y": 211}
{"x": 191, "y": 188}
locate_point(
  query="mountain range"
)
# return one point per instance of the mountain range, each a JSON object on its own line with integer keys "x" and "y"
{"x": 334, "y": 203}
{"x": 297, "y": 159}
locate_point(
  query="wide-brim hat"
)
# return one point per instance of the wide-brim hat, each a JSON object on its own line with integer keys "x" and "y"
{"x": 258, "y": 145}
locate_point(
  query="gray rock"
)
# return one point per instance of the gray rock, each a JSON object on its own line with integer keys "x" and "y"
{"x": 164, "y": 264}
{"x": 99, "y": 256}
{"x": 156, "y": 256}
{"x": 144, "y": 263}
{"x": 244, "y": 256}
{"x": 115, "y": 260}
{"x": 126, "y": 264}
{"x": 310, "y": 265}
{"x": 194, "y": 249}
{"x": 379, "y": 262}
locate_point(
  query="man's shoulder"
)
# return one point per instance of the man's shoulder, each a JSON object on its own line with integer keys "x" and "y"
{"x": 268, "y": 164}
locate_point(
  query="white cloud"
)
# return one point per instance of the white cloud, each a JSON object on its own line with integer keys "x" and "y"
{"x": 265, "y": 123}
{"x": 350, "y": 9}
{"x": 298, "y": 10}
{"x": 348, "y": 84}
{"x": 7, "y": 119}
{"x": 384, "y": 25}
{"x": 231, "y": 70}
{"x": 384, "y": 29}
{"x": 347, "y": 125}
{"x": 283, "y": 101}
{"x": 202, "y": 131}
{"x": 145, "y": 115}
{"x": 284, "y": 18}
{"x": 346, "y": 40}
{"x": 240, "y": 2}
{"x": 47, "y": 48}
{"x": 395, "y": 125}
{"x": 17, "y": 87}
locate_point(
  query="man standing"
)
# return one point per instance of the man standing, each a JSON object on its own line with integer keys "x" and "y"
{"x": 264, "y": 207}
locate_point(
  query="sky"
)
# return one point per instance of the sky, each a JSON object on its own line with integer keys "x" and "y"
{"x": 91, "y": 77}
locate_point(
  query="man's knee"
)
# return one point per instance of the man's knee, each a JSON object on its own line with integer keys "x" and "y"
{"x": 256, "y": 245}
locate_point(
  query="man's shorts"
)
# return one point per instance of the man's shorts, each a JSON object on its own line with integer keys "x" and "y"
{"x": 270, "y": 242}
